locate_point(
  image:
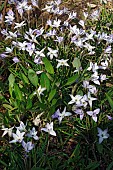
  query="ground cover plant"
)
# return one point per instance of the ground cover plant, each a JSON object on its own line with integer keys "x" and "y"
{"x": 56, "y": 88}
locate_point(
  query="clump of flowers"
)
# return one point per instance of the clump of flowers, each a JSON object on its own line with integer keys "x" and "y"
{"x": 58, "y": 70}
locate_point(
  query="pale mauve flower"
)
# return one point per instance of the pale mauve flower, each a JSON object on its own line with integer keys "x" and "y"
{"x": 102, "y": 134}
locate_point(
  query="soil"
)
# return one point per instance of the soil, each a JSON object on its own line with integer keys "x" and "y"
{"x": 73, "y": 5}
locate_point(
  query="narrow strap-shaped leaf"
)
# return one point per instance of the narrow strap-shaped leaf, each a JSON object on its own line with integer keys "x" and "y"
{"x": 109, "y": 100}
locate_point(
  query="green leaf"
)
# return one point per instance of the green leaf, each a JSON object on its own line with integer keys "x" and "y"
{"x": 44, "y": 81}
{"x": 49, "y": 77}
{"x": 48, "y": 66}
{"x": 110, "y": 167}
{"x": 29, "y": 103}
{"x": 3, "y": 99}
{"x": 33, "y": 77}
{"x": 51, "y": 94}
{"x": 109, "y": 100}
{"x": 99, "y": 148}
{"x": 76, "y": 63}
{"x": 3, "y": 163}
{"x": 80, "y": 92}
{"x": 54, "y": 101}
{"x": 76, "y": 151}
{"x": 11, "y": 80}
{"x": 40, "y": 105}
{"x": 1, "y": 7}
{"x": 51, "y": 111}
{"x": 24, "y": 69}
{"x": 17, "y": 92}
{"x": 72, "y": 79}
{"x": 93, "y": 165}
{"x": 8, "y": 107}
{"x": 24, "y": 79}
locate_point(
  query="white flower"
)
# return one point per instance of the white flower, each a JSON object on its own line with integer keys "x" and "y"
{"x": 52, "y": 53}
{"x": 38, "y": 60}
{"x": 78, "y": 41}
{"x": 8, "y": 50}
{"x": 56, "y": 23}
{"x": 18, "y": 137}
{"x": 90, "y": 36}
{"x": 74, "y": 30}
{"x": 22, "y": 127}
{"x": 27, "y": 146}
{"x": 21, "y": 45}
{"x": 109, "y": 117}
{"x": 57, "y": 2}
{"x": 30, "y": 48}
{"x": 91, "y": 5}
{"x": 102, "y": 77}
{"x": 38, "y": 32}
{"x": 85, "y": 15}
{"x": 83, "y": 101}
{"x": 108, "y": 50}
{"x": 102, "y": 134}
{"x": 66, "y": 23}
{"x": 49, "y": 129}
{"x": 62, "y": 62}
{"x": 103, "y": 1}
{"x": 40, "y": 53}
{"x": 37, "y": 120}
{"x": 61, "y": 115}
{"x": 92, "y": 89}
{"x": 89, "y": 47}
{"x": 40, "y": 90}
{"x": 79, "y": 112}
{"x": 4, "y": 32}
{"x": 39, "y": 72}
{"x": 104, "y": 65}
{"x": 10, "y": 17}
{"x": 90, "y": 99}
{"x": 7, "y": 130}
{"x": 95, "y": 15}
{"x": 21, "y": 6}
{"x": 28, "y": 8}
{"x": 31, "y": 36}
{"x": 34, "y": 2}
{"x": 94, "y": 114}
{"x": 81, "y": 22}
{"x": 72, "y": 15}
{"x": 16, "y": 60}
{"x": 94, "y": 67}
{"x": 95, "y": 77}
{"x": 33, "y": 134}
{"x": 1, "y": 16}
{"x": 75, "y": 99}
{"x": 59, "y": 39}
{"x": 11, "y": 35}
{"x": 19, "y": 25}
{"x": 85, "y": 84}
{"x": 51, "y": 33}
{"x": 49, "y": 22}
{"x": 48, "y": 8}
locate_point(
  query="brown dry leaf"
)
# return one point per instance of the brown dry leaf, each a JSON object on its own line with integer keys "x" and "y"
{"x": 109, "y": 85}
{"x": 91, "y": 5}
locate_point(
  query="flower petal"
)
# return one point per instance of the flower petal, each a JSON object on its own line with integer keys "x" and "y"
{"x": 52, "y": 132}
